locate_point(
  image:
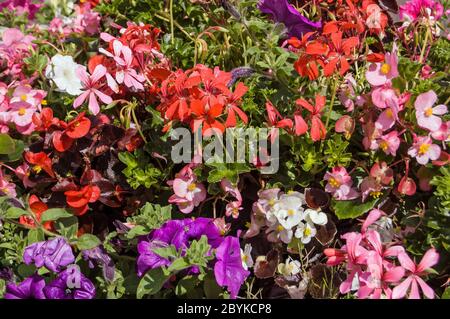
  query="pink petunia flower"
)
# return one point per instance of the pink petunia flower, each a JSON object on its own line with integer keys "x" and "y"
{"x": 340, "y": 184}
{"x": 424, "y": 150}
{"x": 426, "y": 114}
{"x": 91, "y": 85}
{"x": 414, "y": 280}
{"x": 379, "y": 73}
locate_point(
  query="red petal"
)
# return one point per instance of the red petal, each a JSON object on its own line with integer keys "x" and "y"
{"x": 61, "y": 141}
{"x": 79, "y": 128}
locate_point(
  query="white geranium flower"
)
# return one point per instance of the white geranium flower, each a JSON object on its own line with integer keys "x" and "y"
{"x": 305, "y": 232}
{"x": 62, "y": 71}
{"x": 247, "y": 260}
{"x": 289, "y": 268}
{"x": 315, "y": 217}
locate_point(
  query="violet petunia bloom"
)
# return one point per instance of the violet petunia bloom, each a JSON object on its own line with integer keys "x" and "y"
{"x": 31, "y": 288}
{"x": 282, "y": 11}
{"x": 228, "y": 269}
{"x": 178, "y": 233}
{"x": 53, "y": 254}
{"x": 70, "y": 284}
{"x": 98, "y": 256}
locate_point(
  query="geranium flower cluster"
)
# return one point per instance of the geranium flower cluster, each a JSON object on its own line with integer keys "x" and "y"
{"x": 379, "y": 268}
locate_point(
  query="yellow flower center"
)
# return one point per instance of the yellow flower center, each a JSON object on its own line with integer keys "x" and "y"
{"x": 271, "y": 202}
{"x": 384, "y": 145}
{"x": 385, "y": 68}
{"x": 22, "y": 111}
{"x": 23, "y": 97}
{"x": 192, "y": 187}
{"x": 248, "y": 224}
{"x": 244, "y": 258}
{"x": 389, "y": 113}
{"x": 44, "y": 102}
{"x": 307, "y": 232}
{"x": 375, "y": 194}
{"x": 5, "y": 190}
{"x": 37, "y": 168}
{"x": 291, "y": 212}
{"x": 280, "y": 228}
{"x": 334, "y": 182}
{"x": 424, "y": 148}
{"x": 428, "y": 112}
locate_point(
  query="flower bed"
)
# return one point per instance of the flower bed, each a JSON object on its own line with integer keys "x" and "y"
{"x": 224, "y": 149}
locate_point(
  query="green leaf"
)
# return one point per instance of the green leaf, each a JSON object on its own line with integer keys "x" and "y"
{"x": 179, "y": 264}
{"x": 88, "y": 241}
{"x": 345, "y": 209}
{"x": 67, "y": 227}
{"x": 16, "y": 154}
{"x": 35, "y": 235}
{"x": 55, "y": 214}
{"x": 152, "y": 282}
{"x": 7, "y": 145}
{"x": 446, "y": 294}
{"x": 15, "y": 212}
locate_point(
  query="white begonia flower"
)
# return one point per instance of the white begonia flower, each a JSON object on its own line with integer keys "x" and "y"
{"x": 277, "y": 231}
{"x": 305, "y": 232}
{"x": 289, "y": 268}
{"x": 61, "y": 70}
{"x": 315, "y": 217}
{"x": 289, "y": 210}
{"x": 247, "y": 260}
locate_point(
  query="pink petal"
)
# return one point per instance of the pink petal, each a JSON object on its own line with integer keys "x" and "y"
{"x": 425, "y": 100}
{"x": 374, "y": 76}
{"x": 99, "y": 72}
{"x": 93, "y": 104}
{"x": 440, "y": 109}
{"x": 373, "y": 216}
{"x": 394, "y": 274}
{"x": 401, "y": 290}
{"x": 103, "y": 97}
{"x": 430, "y": 259}
{"x": 427, "y": 290}
{"x": 414, "y": 294}
{"x": 80, "y": 99}
{"x": 434, "y": 152}
{"x": 406, "y": 262}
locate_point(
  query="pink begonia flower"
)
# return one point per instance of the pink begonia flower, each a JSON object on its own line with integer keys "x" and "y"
{"x": 233, "y": 208}
{"x": 443, "y": 133}
{"x": 91, "y": 85}
{"x": 14, "y": 40}
{"x": 25, "y": 93}
{"x": 345, "y": 124}
{"x": 23, "y": 173}
{"x": 426, "y": 114}
{"x": 424, "y": 150}
{"x": 388, "y": 143}
{"x": 414, "y": 9}
{"x": 124, "y": 59}
{"x": 370, "y": 186}
{"x": 21, "y": 7}
{"x": 347, "y": 94}
{"x": 7, "y": 188}
{"x": 414, "y": 280}
{"x": 22, "y": 113}
{"x": 378, "y": 277}
{"x": 383, "y": 96}
{"x": 382, "y": 173}
{"x": 372, "y": 132}
{"x": 58, "y": 27}
{"x": 340, "y": 184}
{"x": 188, "y": 193}
{"x": 379, "y": 73}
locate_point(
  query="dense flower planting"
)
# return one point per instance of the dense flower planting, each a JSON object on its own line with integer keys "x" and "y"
{"x": 94, "y": 205}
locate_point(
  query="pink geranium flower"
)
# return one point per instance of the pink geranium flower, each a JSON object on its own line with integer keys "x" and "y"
{"x": 414, "y": 9}
{"x": 91, "y": 86}
{"x": 379, "y": 73}
{"x": 388, "y": 143}
{"x": 414, "y": 280}
{"x": 340, "y": 184}
{"x": 123, "y": 56}
{"x": 188, "y": 193}
{"x": 426, "y": 114}
{"x": 424, "y": 150}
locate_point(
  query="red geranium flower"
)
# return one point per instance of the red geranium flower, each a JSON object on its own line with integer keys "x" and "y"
{"x": 206, "y": 116}
{"x": 41, "y": 161}
{"x": 79, "y": 199}
{"x": 318, "y": 130}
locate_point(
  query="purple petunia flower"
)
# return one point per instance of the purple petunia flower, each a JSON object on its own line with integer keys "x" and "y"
{"x": 282, "y": 11}
{"x": 70, "y": 284}
{"x": 53, "y": 254}
{"x": 30, "y": 288}
{"x": 178, "y": 233}
{"x": 228, "y": 270}
{"x": 99, "y": 256}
